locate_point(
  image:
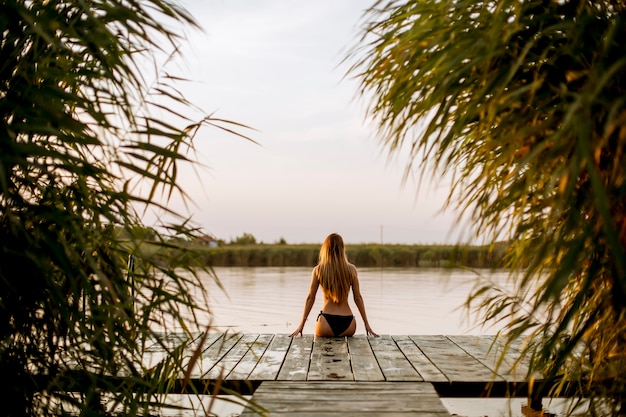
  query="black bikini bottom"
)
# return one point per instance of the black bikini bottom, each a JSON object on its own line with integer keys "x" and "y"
{"x": 338, "y": 324}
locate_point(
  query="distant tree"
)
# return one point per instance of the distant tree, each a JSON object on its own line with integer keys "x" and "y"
{"x": 522, "y": 103}
{"x": 244, "y": 239}
{"x": 79, "y": 135}
{"x": 141, "y": 232}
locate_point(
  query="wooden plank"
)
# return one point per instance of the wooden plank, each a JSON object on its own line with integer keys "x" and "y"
{"x": 433, "y": 358}
{"x": 349, "y": 414}
{"x": 164, "y": 340}
{"x": 488, "y": 351}
{"x": 402, "y": 394}
{"x": 425, "y": 368}
{"x": 364, "y": 364}
{"x": 456, "y": 364}
{"x": 272, "y": 360}
{"x": 159, "y": 349}
{"x": 211, "y": 338}
{"x": 296, "y": 364}
{"x": 337, "y": 401}
{"x": 392, "y": 362}
{"x": 331, "y": 398}
{"x": 230, "y": 360}
{"x": 213, "y": 354}
{"x": 250, "y": 360}
{"x": 347, "y": 386}
{"x": 330, "y": 360}
{"x": 202, "y": 345}
{"x": 513, "y": 356}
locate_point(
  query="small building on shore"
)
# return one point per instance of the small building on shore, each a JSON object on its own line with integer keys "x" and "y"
{"x": 207, "y": 240}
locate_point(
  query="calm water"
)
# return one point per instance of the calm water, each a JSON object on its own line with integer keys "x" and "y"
{"x": 398, "y": 301}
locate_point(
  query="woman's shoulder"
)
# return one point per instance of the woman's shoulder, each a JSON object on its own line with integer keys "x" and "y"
{"x": 352, "y": 269}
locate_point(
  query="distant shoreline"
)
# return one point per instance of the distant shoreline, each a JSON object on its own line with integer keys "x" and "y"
{"x": 363, "y": 255}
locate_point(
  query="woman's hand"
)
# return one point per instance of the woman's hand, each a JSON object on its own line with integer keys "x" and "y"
{"x": 369, "y": 331}
{"x": 298, "y": 331}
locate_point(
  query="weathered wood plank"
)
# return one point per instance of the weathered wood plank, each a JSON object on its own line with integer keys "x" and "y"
{"x": 197, "y": 347}
{"x": 210, "y": 340}
{"x": 352, "y": 414}
{"x": 425, "y": 368}
{"x": 364, "y": 364}
{"x": 347, "y": 386}
{"x": 152, "y": 357}
{"x": 160, "y": 347}
{"x": 434, "y": 358}
{"x": 456, "y": 364}
{"x": 272, "y": 360}
{"x": 242, "y": 370}
{"x": 348, "y": 398}
{"x": 488, "y": 351}
{"x": 164, "y": 340}
{"x": 393, "y": 364}
{"x": 337, "y": 401}
{"x": 330, "y": 360}
{"x": 513, "y": 356}
{"x": 234, "y": 355}
{"x": 296, "y": 364}
{"x": 213, "y": 354}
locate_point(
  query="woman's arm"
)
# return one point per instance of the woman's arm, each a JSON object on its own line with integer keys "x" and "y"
{"x": 308, "y": 303}
{"x": 358, "y": 300}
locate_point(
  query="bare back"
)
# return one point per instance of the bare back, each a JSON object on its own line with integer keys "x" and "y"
{"x": 331, "y": 307}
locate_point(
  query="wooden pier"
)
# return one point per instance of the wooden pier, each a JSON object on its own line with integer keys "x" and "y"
{"x": 348, "y": 399}
{"x": 388, "y": 375}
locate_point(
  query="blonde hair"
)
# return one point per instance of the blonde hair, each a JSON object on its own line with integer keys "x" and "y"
{"x": 333, "y": 270}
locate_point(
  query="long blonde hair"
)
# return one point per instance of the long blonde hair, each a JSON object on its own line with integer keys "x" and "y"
{"x": 333, "y": 270}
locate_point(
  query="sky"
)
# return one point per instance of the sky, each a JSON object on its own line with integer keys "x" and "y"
{"x": 317, "y": 166}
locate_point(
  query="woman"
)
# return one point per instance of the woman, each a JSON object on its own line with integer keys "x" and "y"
{"x": 335, "y": 275}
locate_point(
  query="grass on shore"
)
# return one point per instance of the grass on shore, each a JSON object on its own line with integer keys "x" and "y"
{"x": 363, "y": 255}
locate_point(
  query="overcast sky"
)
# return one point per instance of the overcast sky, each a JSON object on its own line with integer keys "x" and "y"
{"x": 274, "y": 65}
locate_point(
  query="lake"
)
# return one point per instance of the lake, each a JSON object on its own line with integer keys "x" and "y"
{"x": 397, "y": 300}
